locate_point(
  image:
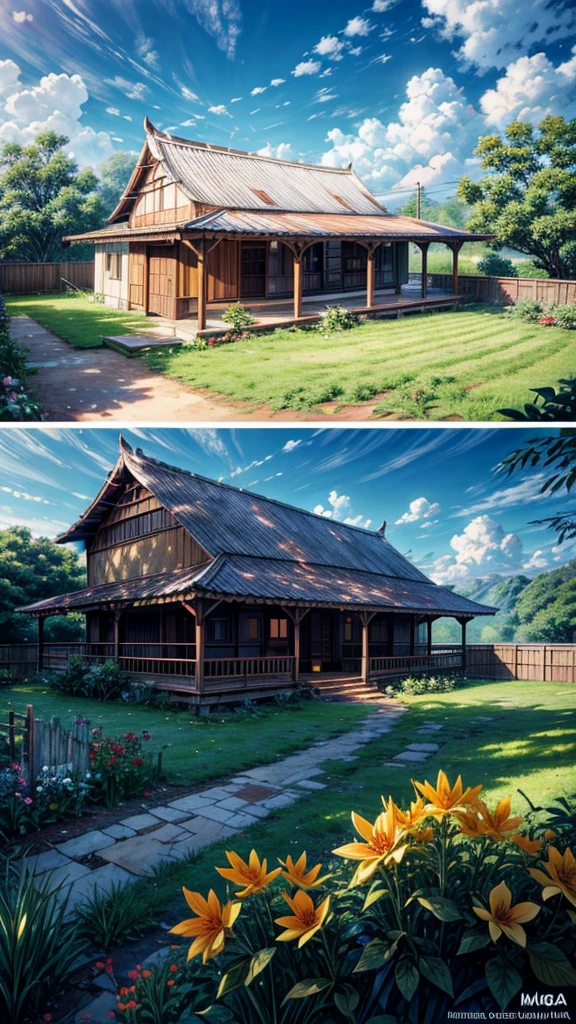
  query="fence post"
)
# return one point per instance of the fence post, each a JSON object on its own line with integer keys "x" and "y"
{"x": 30, "y": 742}
{"x": 11, "y": 744}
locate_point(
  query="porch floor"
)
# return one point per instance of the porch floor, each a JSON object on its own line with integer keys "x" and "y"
{"x": 272, "y": 313}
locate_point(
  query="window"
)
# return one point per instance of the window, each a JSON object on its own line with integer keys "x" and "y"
{"x": 379, "y": 631}
{"x": 114, "y": 265}
{"x": 313, "y": 258}
{"x": 219, "y": 630}
{"x": 348, "y": 636}
{"x": 278, "y": 629}
{"x": 249, "y": 628}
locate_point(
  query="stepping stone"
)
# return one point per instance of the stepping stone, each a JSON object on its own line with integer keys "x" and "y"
{"x": 167, "y": 813}
{"x": 140, "y": 821}
{"x": 482, "y": 718}
{"x": 256, "y": 811}
{"x": 219, "y": 792}
{"x": 232, "y": 803}
{"x": 432, "y": 725}
{"x": 278, "y": 801}
{"x": 412, "y": 755}
{"x": 252, "y": 794}
{"x": 84, "y": 845}
{"x": 168, "y": 833}
{"x": 129, "y": 343}
{"x": 157, "y": 957}
{"x": 240, "y": 821}
{"x": 102, "y": 880}
{"x": 311, "y": 784}
{"x": 394, "y": 764}
{"x": 119, "y": 831}
{"x": 68, "y": 875}
{"x": 190, "y": 803}
{"x": 431, "y": 747}
{"x": 98, "y": 1011}
{"x": 137, "y": 855}
{"x": 44, "y": 862}
{"x": 192, "y": 844}
{"x": 216, "y": 813}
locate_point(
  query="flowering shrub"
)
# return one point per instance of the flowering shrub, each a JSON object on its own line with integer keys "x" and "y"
{"x": 564, "y": 315}
{"x": 338, "y": 318}
{"x": 546, "y": 321}
{"x": 99, "y": 682}
{"x": 448, "y": 903}
{"x": 414, "y": 685}
{"x": 238, "y": 316}
{"x": 534, "y": 311}
{"x": 119, "y": 768}
{"x": 54, "y": 796}
{"x": 15, "y": 403}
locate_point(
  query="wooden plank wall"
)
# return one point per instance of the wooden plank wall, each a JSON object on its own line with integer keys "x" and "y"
{"x": 30, "y": 278}
{"x": 223, "y": 271}
{"x": 507, "y": 290}
{"x": 137, "y": 276}
{"x": 538, "y": 662}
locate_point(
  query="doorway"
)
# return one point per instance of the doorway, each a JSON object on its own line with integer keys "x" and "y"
{"x": 253, "y": 270}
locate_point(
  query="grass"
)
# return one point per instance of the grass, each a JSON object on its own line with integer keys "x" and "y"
{"x": 463, "y": 365}
{"x": 74, "y": 318}
{"x": 198, "y": 749}
{"x": 529, "y": 745}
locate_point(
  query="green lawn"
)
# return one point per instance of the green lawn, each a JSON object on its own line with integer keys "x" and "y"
{"x": 462, "y": 365}
{"x": 530, "y": 744}
{"x": 465, "y": 365}
{"x": 73, "y": 317}
{"x": 198, "y": 749}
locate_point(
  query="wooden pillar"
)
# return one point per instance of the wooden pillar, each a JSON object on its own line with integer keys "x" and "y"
{"x": 296, "y": 665}
{"x": 429, "y": 637}
{"x": 424, "y": 250}
{"x": 40, "y": 656}
{"x": 463, "y": 623}
{"x": 370, "y": 280}
{"x": 455, "y": 251}
{"x": 200, "y": 646}
{"x": 297, "y": 287}
{"x": 201, "y": 290}
{"x": 365, "y": 670}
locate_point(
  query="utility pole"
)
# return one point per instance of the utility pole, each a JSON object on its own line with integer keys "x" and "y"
{"x": 418, "y": 201}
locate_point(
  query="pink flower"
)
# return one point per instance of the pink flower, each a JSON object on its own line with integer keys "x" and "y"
{"x": 27, "y": 800}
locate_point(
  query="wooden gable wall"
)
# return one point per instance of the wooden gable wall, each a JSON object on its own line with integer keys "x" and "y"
{"x": 160, "y": 201}
{"x": 139, "y": 537}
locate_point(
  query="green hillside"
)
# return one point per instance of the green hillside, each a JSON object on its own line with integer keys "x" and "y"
{"x": 542, "y": 609}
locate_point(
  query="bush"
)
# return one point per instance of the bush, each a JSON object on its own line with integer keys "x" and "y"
{"x": 526, "y": 309}
{"x": 54, "y": 796}
{"x": 38, "y": 945}
{"x": 99, "y": 682}
{"x": 413, "y": 686}
{"x": 555, "y": 405}
{"x": 338, "y": 318}
{"x": 495, "y": 265}
{"x": 15, "y": 403}
{"x": 422, "y": 925}
{"x": 564, "y": 316}
{"x": 119, "y": 768}
{"x": 527, "y": 268}
{"x": 238, "y": 316}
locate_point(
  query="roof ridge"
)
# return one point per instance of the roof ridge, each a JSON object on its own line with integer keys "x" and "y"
{"x": 212, "y": 147}
{"x": 138, "y": 453}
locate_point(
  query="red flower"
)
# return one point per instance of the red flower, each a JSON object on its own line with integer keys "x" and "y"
{"x": 112, "y": 760}
{"x": 173, "y": 967}
{"x": 171, "y": 982}
{"x": 133, "y": 975}
{"x": 47, "y": 1016}
{"x": 138, "y": 761}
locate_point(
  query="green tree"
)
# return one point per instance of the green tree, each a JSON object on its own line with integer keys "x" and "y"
{"x": 114, "y": 176}
{"x": 528, "y": 200}
{"x": 495, "y": 265}
{"x": 44, "y": 196}
{"x": 557, "y": 455}
{"x": 30, "y": 570}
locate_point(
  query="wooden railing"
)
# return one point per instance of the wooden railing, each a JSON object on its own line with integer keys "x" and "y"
{"x": 448, "y": 659}
{"x": 158, "y": 659}
{"x": 248, "y": 668}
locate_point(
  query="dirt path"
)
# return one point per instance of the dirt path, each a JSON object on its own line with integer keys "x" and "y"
{"x": 97, "y": 383}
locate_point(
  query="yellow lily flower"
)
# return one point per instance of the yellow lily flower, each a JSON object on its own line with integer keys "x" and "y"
{"x": 254, "y": 876}
{"x": 209, "y": 927}
{"x": 498, "y": 825}
{"x": 446, "y": 799}
{"x": 505, "y": 918}
{"x": 560, "y": 877}
{"x": 296, "y": 873}
{"x": 307, "y": 919}
{"x": 408, "y": 820}
{"x": 380, "y": 844}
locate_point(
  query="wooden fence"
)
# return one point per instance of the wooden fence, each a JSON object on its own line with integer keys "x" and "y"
{"x": 506, "y": 290}
{"x": 540, "y": 662}
{"x": 33, "y": 742}
{"x": 31, "y": 278}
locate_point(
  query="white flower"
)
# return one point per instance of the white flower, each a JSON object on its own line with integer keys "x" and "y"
{"x": 66, "y": 782}
{"x": 39, "y": 789}
{"x": 45, "y": 768}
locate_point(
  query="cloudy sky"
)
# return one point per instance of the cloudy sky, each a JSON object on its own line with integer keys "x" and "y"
{"x": 444, "y": 505}
{"x": 403, "y": 88}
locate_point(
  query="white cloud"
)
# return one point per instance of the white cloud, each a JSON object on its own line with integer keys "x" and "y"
{"x": 54, "y": 104}
{"x": 358, "y": 26}
{"x": 537, "y": 560}
{"x": 431, "y": 140}
{"x": 147, "y": 52}
{"x": 379, "y": 6}
{"x": 221, "y": 110}
{"x": 483, "y": 547}
{"x": 330, "y": 46}
{"x": 275, "y": 82}
{"x": 132, "y": 90}
{"x": 283, "y": 151}
{"x": 340, "y": 505}
{"x": 187, "y": 94}
{"x": 114, "y": 111}
{"x": 420, "y": 508}
{"x": 531, "y": 89}
{"x": 291, "y": 445}
{"x": 258, "y": 90}
{"x": 525, "y": 492}
{"x": 221, "y": 19}
{"x": 496, "y": 32}
{"x": 21, "y": 16}
{"x": 307, "y": 67}
{"x": 236, "y": 99}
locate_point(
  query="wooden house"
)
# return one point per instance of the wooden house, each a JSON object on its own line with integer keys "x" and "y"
{"x": 212, "y": 591}
{"x": 201, "y": 224}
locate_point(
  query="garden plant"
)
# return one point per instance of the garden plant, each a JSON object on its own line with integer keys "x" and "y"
{"x": 445, "y": 903}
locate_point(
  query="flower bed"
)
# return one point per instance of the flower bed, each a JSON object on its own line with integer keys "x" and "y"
{"x": 450, "y": 904}
{"x": 15, "y": 403}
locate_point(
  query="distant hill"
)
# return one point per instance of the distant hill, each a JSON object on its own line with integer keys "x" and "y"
{"x": 541, "y": 609}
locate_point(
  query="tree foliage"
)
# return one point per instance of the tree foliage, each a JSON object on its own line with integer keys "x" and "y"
{"x": 452, "y": 213}
{"x": 30, "y": 570}
{"x": 528, "y": 200}
{"x": 115, "y": 174}
{"x": 43, "y": 196}
{"x": 557, "y": 454}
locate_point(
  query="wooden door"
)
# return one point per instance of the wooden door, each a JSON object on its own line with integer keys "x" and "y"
{"x": 322, "y": 638}
{"x": 162, "y": 280}
{"x": 253, "y": 269}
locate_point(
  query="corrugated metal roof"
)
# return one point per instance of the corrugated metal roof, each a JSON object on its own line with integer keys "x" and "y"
{"x": 121, "y": 232}
{"x": 325, "y": 225}
{"x": 216, "y": 176}
{"x": 270, "y": 579}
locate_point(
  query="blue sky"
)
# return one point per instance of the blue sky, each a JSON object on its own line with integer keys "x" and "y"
{"x": 436, "y": 488}
{"x": 402, "y": 88}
